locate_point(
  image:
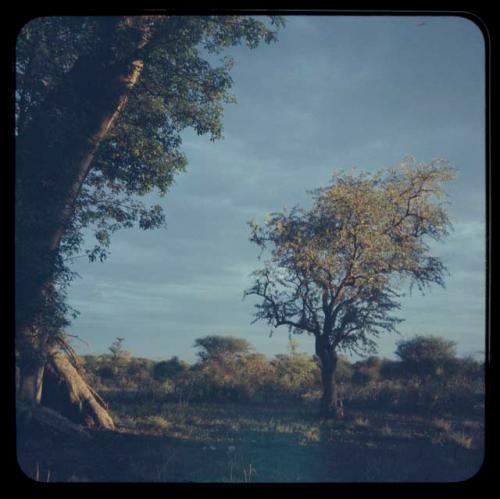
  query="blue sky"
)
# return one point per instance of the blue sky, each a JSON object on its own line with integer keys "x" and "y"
{"x": 333, "y": 93}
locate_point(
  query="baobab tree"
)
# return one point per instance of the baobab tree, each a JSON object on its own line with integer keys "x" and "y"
{"x": 336, "y": 270}
{"x": 101, "y": 102}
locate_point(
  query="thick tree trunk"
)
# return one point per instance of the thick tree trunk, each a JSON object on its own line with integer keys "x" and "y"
{"x": 53, "y": 157}
{"x": 330, "y": 406}
{"x": 30, "y": 383}
{"x": 54, "y": 154}
{"x": 66, "y": 391}
{"x": 31, "y": 354}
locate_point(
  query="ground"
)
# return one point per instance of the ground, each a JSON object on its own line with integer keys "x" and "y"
{"x": 172, "y": 442}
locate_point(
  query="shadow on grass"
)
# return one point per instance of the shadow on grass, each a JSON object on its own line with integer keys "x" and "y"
{"x": 231, "y": 443}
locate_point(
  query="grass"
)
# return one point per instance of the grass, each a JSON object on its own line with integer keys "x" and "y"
{"x": 441, "y": 424}
{"x": 461, "y": 439}
{"x": 361, "y": 422}
{"x": 204, "y": 442}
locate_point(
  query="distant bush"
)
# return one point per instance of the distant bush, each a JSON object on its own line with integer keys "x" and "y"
{"x": 392, "y": 369}
{"x": 427, "y": 377}
{"x": 426, "y": 356}
{"x": 345, "y": 370}
{"x": 366, "y": 371}
{"x": 221, "y": 347}
{"x": 296, "y": 374}
{"x": 107, "y": 372}
{"x": 169, "y": 369}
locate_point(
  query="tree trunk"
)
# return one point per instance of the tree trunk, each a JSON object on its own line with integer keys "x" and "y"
{"x": 54, "y": 154}
{"x": 53, "y": 157}
{"x": 31, "y": 354}
{"x": 30, "y": 383}
{"x": 330, "y": 405}
{"x": 66, "y": 391}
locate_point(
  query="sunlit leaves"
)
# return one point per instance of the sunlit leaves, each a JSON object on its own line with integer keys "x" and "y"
{"x": 335, "y": 270}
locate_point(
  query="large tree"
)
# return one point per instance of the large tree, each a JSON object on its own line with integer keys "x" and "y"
{"x": 101, "y": 103}
{"x": 335, "y": 270}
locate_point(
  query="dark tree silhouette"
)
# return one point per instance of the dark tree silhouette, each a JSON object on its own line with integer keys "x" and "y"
{"x": 100, "y": 105}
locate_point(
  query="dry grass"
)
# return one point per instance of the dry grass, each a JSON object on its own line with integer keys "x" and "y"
{"x": 361, "y": 422}
{"x": 386, "y": 430}
{"x": 441, "y": 424}
{"x": 461, "y": 439}
{"x": 248, "y": 443}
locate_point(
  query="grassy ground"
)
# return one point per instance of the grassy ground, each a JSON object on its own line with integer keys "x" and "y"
{"x": 170, "y": 442}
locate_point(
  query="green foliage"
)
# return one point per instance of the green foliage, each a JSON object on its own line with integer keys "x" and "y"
{"x": 426, "y": 349}
{"x": 373, "y": 383}
{"x": 221, "y": 347}
{"x": 107, "y": 372}
{"x": 117, "y": 350}
{"x": 296, "y": 375}
{"x": 426, "y": 355}
{"x": 169, "y": 369}
{"x": 344, "y": 371}
{"x": 183, "y": 84}
{"x": 335, "y": 270}
{"x": 179, "y": 88}
{"x": 367, "y": 370}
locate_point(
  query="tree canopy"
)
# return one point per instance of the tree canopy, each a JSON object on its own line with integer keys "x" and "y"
{"x": 101, "y": 103}
{"x": 221, "y": 347}
{"x": 426, "y": 349}
{"x": 171, "y": 77}
{"x": 426, "y": 356}
{"x": 335, "y": 270}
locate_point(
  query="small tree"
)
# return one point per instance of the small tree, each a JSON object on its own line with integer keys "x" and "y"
{"x": 425, "y": 356}
{"x": 335, "y": 270}
{"x": 101, "y": 104}
{"x": 119, "y": 355}
{"x": 221, "y": 348}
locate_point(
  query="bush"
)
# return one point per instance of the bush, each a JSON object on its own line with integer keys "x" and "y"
{"x": 426, "y": 356}
{"x": 344, "y": 371}
{"x": 221, "y": 347}
{"x": 169, "y": 369}
{"x": 229, "y": 372}
{"x": 392, "y": 369}
{"x": 107, "y": 372}
{"x": 366, "y": 371}
{"x": 295, "y": 375}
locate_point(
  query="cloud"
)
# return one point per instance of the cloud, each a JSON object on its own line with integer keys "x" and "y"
{"x": 332, "y": 93}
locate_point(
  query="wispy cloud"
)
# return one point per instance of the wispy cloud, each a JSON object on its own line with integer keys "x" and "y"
{"x": 332, "y": 93}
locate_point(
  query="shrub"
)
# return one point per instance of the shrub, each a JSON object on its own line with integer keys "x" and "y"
{"x": 295, "y": 375}
{"x": 169, "y": 369}
{"x": 221, "y": 347}
{"x": 426, "y": 356}
{"x": 366, "y": 371}
{"x": 107, "y": 372}
{"x": 344, "y": 371}
{"x": 391, "y": 369}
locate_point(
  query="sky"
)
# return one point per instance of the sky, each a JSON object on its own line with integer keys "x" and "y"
{"x": 332, "y": 93}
